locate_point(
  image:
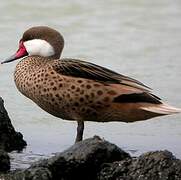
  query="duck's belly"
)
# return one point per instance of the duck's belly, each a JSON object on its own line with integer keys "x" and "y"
{"x": 70, "y": 101}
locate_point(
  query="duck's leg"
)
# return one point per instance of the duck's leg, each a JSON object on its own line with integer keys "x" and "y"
{"x": 80, "y": 131}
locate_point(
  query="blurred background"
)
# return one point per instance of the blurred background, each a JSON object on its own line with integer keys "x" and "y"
{"x": 141, "y": 39}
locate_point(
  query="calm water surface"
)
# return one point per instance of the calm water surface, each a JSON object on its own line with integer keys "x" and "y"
{"x": 140, "y": 38}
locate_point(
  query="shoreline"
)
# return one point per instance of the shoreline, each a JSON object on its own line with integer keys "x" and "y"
{"x": 98, "y": 159}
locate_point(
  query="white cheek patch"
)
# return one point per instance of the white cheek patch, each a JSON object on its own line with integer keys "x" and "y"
{"x": 39, "y": 47}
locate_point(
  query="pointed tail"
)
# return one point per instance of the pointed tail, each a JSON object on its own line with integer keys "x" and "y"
{"x": 163, "y": 109}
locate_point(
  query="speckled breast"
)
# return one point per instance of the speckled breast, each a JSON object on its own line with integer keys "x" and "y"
{"x": 36, "y": 80}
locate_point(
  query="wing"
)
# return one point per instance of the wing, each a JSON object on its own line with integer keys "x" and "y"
{"x": 82, "y": 69}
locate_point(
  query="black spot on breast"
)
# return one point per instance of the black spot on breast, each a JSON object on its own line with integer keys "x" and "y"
{"x": 83, "y": 109}
{"x": 78, "y": 89}
{"x": 79, "y": 81}
{"x": 81, "y": 99}
{"x": 87, "y": 96}
{"x": 76, "y": 104}
{"x": 106, "y": 99}
{"x": 60, "y": 99}
{"x": 88, "y": 86}
{"x": 99, "y": 92}
{"x": 72, "y": 87}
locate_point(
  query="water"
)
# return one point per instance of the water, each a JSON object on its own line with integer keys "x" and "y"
{"x": 140, "y": 38}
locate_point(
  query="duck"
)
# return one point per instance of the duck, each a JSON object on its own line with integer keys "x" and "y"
{"x": 78, "y": 90}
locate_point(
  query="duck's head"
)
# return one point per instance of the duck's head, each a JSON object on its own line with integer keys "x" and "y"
{"x": 41, "y": 41}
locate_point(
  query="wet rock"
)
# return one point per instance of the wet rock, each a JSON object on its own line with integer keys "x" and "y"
{"x": 159, "y": 165}
{"x": 4, "y": 161}
{"x": 118, "y": 170}
{"x": 81, "y": 161}
{"x": 97, "y": 159}
{"x": 9, "y": 139}
{"x": 36, "y": 173}
{"x": 156, "y": 166}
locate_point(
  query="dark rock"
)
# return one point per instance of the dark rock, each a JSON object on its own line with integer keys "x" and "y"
{"x": 9, "y": 139}
{"x": 159, "y": 165}
{"x": 97, "y": 159}
{"x": 37, "y": 173}
{"x": 4, "y": 161}
{"x": 83, "y": 160}
{"x": 116, "y": 170}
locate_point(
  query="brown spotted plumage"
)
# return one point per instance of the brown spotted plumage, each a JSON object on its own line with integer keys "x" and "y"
{"x": 77, "y": 90}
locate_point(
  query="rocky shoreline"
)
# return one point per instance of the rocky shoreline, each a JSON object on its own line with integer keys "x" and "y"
{"x": 97, "y": 159}
{"x": 91, "y": 159}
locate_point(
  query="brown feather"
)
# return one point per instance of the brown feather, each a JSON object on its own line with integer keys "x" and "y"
{"x": 82, "y": 69}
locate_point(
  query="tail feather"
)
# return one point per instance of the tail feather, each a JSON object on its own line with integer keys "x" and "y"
{"x": 161, "y": 109}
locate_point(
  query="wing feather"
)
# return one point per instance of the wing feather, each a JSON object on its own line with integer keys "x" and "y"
{"x": 83, "y": 69}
